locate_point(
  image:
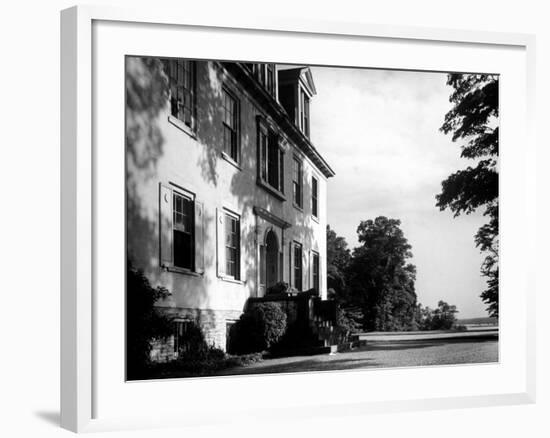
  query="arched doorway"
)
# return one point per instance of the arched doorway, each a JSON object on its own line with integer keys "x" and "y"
{"x": 271, "y": 259}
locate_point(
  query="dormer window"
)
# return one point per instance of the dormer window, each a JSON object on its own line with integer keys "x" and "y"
{"x": 270, "y": 78}
{"x": 296, "y": 88}
{"x": 304, "y": 112}
{"x": 265, "y": 74}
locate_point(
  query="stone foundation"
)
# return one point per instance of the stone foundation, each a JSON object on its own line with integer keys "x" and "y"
{"x": 212, "y": 322}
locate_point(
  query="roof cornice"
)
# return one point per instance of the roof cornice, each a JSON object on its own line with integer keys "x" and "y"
{"x": 280, "y": 116}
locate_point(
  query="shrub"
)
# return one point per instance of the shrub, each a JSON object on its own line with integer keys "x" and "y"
{"x": 258, "y": 329}
{"x": 245, "y": 359}
{"x": 299, "y": 334}
{"x": 205, "y": 360}
{"x": 347, "y": 320}
{"x": 144, "y": 323}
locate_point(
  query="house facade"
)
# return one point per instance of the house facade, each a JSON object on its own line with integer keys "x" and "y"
{"x": 226, "y": 194}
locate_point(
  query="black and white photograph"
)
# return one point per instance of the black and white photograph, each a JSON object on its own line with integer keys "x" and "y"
{"x": 299, "y": 218}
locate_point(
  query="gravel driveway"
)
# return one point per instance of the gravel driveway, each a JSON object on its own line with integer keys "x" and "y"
{"x": 383, "y": 354}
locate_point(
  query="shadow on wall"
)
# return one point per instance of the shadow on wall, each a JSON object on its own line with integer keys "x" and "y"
{"x": 146, "y": 96}
{"x": 147, "y": 109}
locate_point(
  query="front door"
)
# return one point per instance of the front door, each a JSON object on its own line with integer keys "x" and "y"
{"x": 271, "y": 259}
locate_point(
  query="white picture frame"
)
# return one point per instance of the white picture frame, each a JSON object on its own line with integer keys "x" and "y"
{"x": 83, "y": 369}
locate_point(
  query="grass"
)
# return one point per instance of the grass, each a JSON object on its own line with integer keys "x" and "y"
{"x": 384, "y": 354}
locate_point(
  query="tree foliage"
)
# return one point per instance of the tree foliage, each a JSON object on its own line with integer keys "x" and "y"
{"x": 441, "y": 318}
{"x": 144, "y": 322}
{"x": 338, "y": 258}
{"x": 473, "y": 120}
{"x": 381, "y": 280}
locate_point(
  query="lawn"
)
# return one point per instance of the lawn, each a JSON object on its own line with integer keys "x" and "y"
{"x": 384, "y": 354}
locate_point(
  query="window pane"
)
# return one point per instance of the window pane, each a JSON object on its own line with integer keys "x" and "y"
{"x": 183, "y": 254}
{"x": 182, "y": 90}
{"x": 230, "y": 122}
{"x": 273, "y": 163}
{"x": 183, "y": 214}
{"x": 232, "y": 245}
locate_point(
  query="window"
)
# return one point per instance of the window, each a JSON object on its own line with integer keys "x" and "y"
{"x": 230, "y": 125}
{"x": 229, "y": 330}
{"x": 183, "y": 236}
{"x": 270, "y": 159}
{"x": 232, "y": 246}
{"x": 314, "y": 197}
{"x": 304, "y": 112}
{"x": 181, "y": 230}
{"x": 315, "y": 270}
{"x": 297, "y": 186}
{"x": 298, "y": 266}
{"x": 181, "y": 74}
{"x": 270, "y": 78}
{"x": 265, "y": 74}
{"x": 182, "y": 336}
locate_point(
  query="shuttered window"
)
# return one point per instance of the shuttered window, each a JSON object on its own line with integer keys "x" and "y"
{"x": 183, "y": 232}
{"x": 181, "y": 226}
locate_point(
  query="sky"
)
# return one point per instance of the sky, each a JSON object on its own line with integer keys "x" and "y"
{"x": 379, "y": 131}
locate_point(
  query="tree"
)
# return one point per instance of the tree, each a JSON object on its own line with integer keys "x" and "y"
{"x": 441, "y": 318}
{"x": 474, "y": 120}
{"x": 338, "y": 258}
{"x": 381, "y": 280}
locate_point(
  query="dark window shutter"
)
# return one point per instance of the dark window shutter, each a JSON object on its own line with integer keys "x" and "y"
{"x": 199, "y": 237}
{"x": 165, "y": 225}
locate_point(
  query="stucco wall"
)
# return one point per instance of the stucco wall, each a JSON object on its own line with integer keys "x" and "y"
{"x": 158, "y": 151}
